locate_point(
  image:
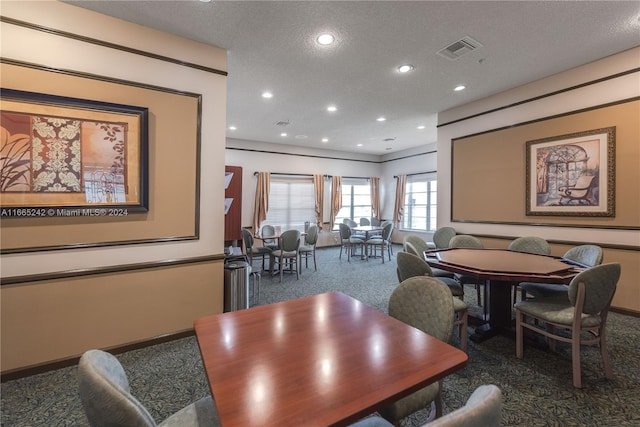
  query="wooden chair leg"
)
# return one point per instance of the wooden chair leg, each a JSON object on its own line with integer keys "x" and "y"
{"x": 575, "y": 358}
{"x": 606, "y": 362}
{"x": 519, "y": 333}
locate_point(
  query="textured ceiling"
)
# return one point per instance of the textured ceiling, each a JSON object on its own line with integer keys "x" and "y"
{"x": 271, "y": 47}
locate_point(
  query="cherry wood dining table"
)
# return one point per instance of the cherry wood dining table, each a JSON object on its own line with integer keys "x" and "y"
{"x": 325, "y": 360}
{"x": 500, "y": 269}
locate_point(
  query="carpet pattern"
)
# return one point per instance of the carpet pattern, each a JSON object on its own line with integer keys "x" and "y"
{"x": 537, "y": 390}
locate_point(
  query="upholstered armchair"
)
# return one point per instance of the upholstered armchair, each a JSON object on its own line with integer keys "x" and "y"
{"x": 581, "y": 320}
{"x": 107, "y": 400}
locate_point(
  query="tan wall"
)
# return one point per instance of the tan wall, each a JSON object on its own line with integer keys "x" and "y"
{"x": 57, "y": 319}
{"x": 50, "y": 320}
{"x": 484, "y": 143}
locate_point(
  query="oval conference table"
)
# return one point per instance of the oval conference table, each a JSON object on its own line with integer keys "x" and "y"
{"x": 323, "y": 360}
{"x": 500, "y": 269}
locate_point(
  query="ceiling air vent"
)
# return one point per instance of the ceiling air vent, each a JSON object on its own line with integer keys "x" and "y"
{"x": 283, "y": 123}
{"x": 459, "y": 48}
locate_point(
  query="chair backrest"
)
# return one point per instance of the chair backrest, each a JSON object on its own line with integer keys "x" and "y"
{"x": 387, "y": 229}
{"x": 312, "y": 236}
{"x": 589, "y": 255}
{"x": 417, "y": 242}
{"x": 104, "y": 392}
{"x": 345, "y": 231}
{"x": 465, "y": 241}
{"x": 410, "y": 265}
{"x": 443, "y": 236}
{"x": 268, "y": 230}
{"x": 599, "y": 284}
{"x": 483, "y": 408}
{"x": 350, "y": 222}
{"x": 410, "y": 248}
{"x": 248, "y": 240}
{"x": 290, "y": 240}
{"x": 530, "y": 244}
{"x": 425, "y": 303}
{"x": 375, "y": 221}
{"x": 365, "y": 221}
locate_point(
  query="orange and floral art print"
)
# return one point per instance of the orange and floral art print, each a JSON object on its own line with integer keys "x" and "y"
{"x": 71, "y": 157}
{"x": 572, "y": 175}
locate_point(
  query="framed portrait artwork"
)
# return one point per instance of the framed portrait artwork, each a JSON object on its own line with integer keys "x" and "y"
{"x": 572, "y": 175}
{"x": 65, "y": 156}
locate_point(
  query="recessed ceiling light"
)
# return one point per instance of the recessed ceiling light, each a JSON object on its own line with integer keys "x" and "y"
{"x": 381, "y": 119}
{"x": 325, "y": 139}
{"x": 459, "y": 88}
{"x": 267, "y": 95}
{"x": 283, "y": 134}
{"x": 421, "y": 127}
{"x": 359, "y": 145}
{"x": 405, "y": 68}
{"x": 325, "y": 39}
{"x": 332, "y": 108}
{"x": 232, "y": 128}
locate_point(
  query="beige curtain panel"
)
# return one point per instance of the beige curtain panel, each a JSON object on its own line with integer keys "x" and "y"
{"x": 336, "y": 198}
{"x": 318, "y": 188}
{"x": 262, "y": 200}
{"x": 375, "y": 196}
{"x": 401, "y": 186}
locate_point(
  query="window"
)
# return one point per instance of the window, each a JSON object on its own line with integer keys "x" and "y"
{"x": 291, "y": 203}
{"x": 420, "y": 203}
{"x": 356, "y": 200}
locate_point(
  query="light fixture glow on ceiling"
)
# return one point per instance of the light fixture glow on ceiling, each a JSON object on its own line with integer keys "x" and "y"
{"x": 359, "y": 145}
{"x": 381, "y": 119}
{"x": 267, "y": 95}
{"x": 325, "y": 139}
{"x": 459, "y": 88}
{"x": 325, "y": 39}
{"x": 283, "y": 134}
{"x": 421, "y": 127}
{"x": 405, "y": 68}
{"x": 332, "y": 108}
{"x": 232, "y": 128}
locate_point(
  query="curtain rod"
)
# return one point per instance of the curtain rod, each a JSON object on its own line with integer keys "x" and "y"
{"x": 417, "y": 173}
{"x": 311, "y": 175}
{"x": 281, "y": 173}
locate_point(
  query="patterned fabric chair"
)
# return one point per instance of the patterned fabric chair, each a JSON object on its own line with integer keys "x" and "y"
{"x": 441, "y": 238}
{"x": 467, "y": 241}
{"x": 287, "y": 254}
{"x": 531, "y": 245}
{"x": 586, "y": 255}
{"x": 107, "y": 401}
{"x": 382, "y": 241}
{"x": 410, "y": 265}
{"x": 308, "y": 248}
{"x": 365, "y": 221}
{"x": 348, "y": 241}
{"x": 426, "y": 304}
{"x": 483, "y": 408}
{"x": 251, "y": 250}
{"x": 590, "y": 294}
{"x": 266, "y": 231}
{"x": 420, "y": 246}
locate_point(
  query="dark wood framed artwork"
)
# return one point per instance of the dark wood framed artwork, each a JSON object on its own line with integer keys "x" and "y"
{"x": 572, "y": 175}
{"x": 66, "y": 156}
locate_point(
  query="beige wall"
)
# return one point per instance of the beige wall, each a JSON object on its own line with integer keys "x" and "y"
{"x": 586, "y": 87}
{"x": 45, "y": 321}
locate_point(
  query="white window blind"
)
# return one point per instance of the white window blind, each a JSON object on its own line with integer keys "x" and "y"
{"x": 291, "y": 202}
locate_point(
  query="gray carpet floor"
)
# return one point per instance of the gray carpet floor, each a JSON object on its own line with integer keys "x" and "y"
{"x": 537, "y": 390}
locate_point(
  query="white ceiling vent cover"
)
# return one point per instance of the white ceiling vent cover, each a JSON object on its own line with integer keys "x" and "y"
{"x": 282, "y": 123}
{"x": 459, "y": 48}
